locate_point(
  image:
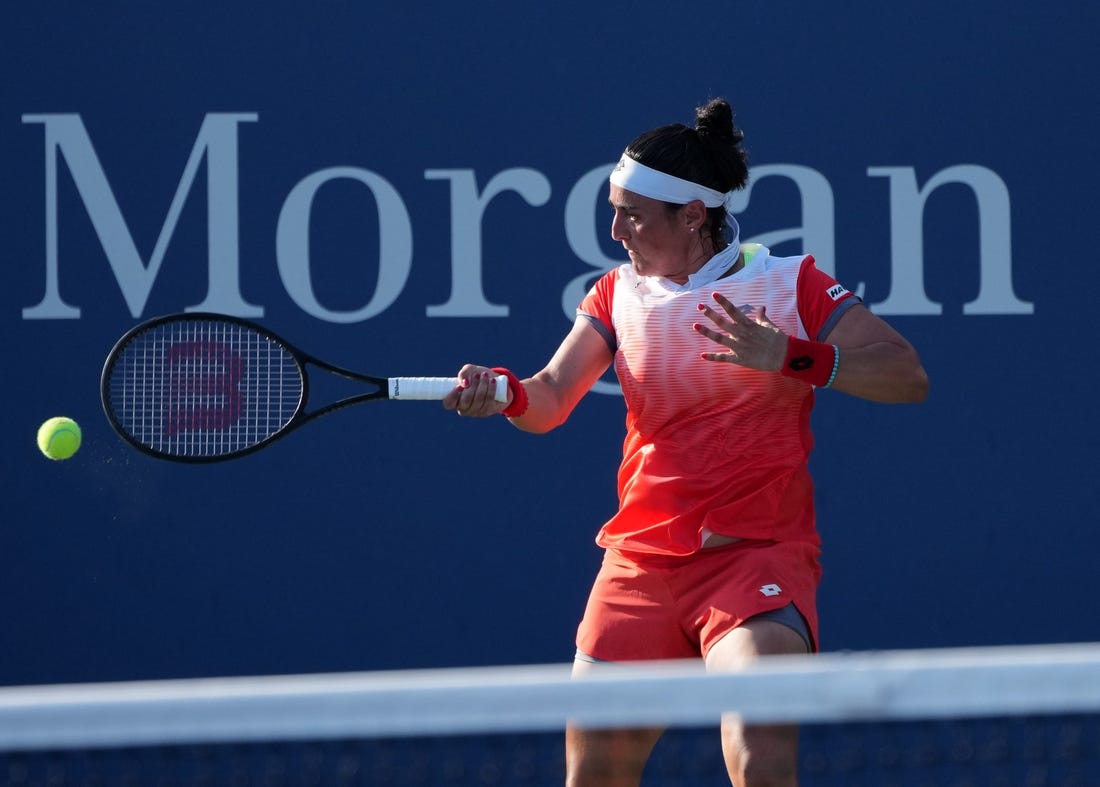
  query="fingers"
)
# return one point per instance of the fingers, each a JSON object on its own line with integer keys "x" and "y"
{"x": 724, "y": 337}
{"x": 726, "y": 312}
{"x": 726, "y": 304}
{"x": 745, "y": 313}
{"x": 729, "y": 345}
{"x": 745, "y": 334}
{"x": 728, "y": 321}
{"x": 721, "y": 337}
{"x": 474, "y": 394}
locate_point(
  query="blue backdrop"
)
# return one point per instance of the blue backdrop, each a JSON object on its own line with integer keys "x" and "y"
{"x": 404, "y": 188}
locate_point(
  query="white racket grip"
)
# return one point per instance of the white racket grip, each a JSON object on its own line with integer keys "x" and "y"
{"x": 436, "y": 387}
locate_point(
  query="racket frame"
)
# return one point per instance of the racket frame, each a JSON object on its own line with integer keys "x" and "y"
{"x": 383, "y": 386}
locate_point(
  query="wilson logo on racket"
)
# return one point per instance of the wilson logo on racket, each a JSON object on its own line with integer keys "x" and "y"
{"x": 203, "y": 393}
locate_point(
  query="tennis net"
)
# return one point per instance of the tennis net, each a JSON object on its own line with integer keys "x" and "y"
{"x": 991, "y": 716}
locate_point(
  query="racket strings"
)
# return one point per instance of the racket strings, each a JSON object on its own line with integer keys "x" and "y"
{"x": 203, "y": 388}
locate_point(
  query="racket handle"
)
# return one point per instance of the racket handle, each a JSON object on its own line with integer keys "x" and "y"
{"x": 436, "y": 387}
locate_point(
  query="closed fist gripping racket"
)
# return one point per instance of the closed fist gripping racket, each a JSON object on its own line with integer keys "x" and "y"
{"x": 201, "y": 387}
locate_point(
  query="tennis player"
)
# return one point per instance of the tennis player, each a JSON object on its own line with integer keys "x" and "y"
{"x": 720, "y": 348}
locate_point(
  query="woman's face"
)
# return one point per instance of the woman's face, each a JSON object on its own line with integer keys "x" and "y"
{"x": 658, "y": 240}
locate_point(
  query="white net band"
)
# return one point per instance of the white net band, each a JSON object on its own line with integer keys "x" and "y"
{"x": 886, "y": 686}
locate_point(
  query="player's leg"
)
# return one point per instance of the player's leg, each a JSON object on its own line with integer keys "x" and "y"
{"x": 758, "y": 755}
{"x": 605, "y": 758}
{"x": 630, "y": 618}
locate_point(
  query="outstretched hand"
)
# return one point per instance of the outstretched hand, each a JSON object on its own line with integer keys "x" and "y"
{"x": 748, "y": 337}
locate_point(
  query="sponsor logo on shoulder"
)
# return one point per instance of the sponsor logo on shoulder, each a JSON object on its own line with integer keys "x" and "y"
{"x": 837, "y": 291}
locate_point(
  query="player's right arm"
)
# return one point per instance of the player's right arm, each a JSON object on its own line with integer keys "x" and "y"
{"x": 580, "y": 360}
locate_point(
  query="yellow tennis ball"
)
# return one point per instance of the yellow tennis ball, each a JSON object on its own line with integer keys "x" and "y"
{"x": 58, "y": 438}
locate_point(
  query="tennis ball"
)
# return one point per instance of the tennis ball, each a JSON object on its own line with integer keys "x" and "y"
{"x": 58, "y": 438}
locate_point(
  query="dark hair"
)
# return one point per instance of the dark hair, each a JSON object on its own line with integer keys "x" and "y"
{"x": 709, "y": 154}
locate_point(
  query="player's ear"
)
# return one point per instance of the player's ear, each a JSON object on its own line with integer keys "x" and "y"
{"x": 694, "y": 215}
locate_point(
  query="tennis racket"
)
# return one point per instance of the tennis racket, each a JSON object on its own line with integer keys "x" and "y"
{"x": 201, "y": 387}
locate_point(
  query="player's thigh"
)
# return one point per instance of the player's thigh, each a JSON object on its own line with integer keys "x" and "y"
{"x": 606, "y": 757}
{"x": 751, "y": 640}
{"x": 757, "y": 751}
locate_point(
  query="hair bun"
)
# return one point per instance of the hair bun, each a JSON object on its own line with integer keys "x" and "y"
{"x": 715, "y": 119}
{"x": 709, "y": 154}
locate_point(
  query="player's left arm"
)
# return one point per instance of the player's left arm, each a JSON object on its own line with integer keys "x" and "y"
{"x": 876, "y": 362}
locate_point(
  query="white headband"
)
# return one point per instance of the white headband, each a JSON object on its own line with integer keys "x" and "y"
{"x": 634, "y": 176}
{"x": 637, "y": 177}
